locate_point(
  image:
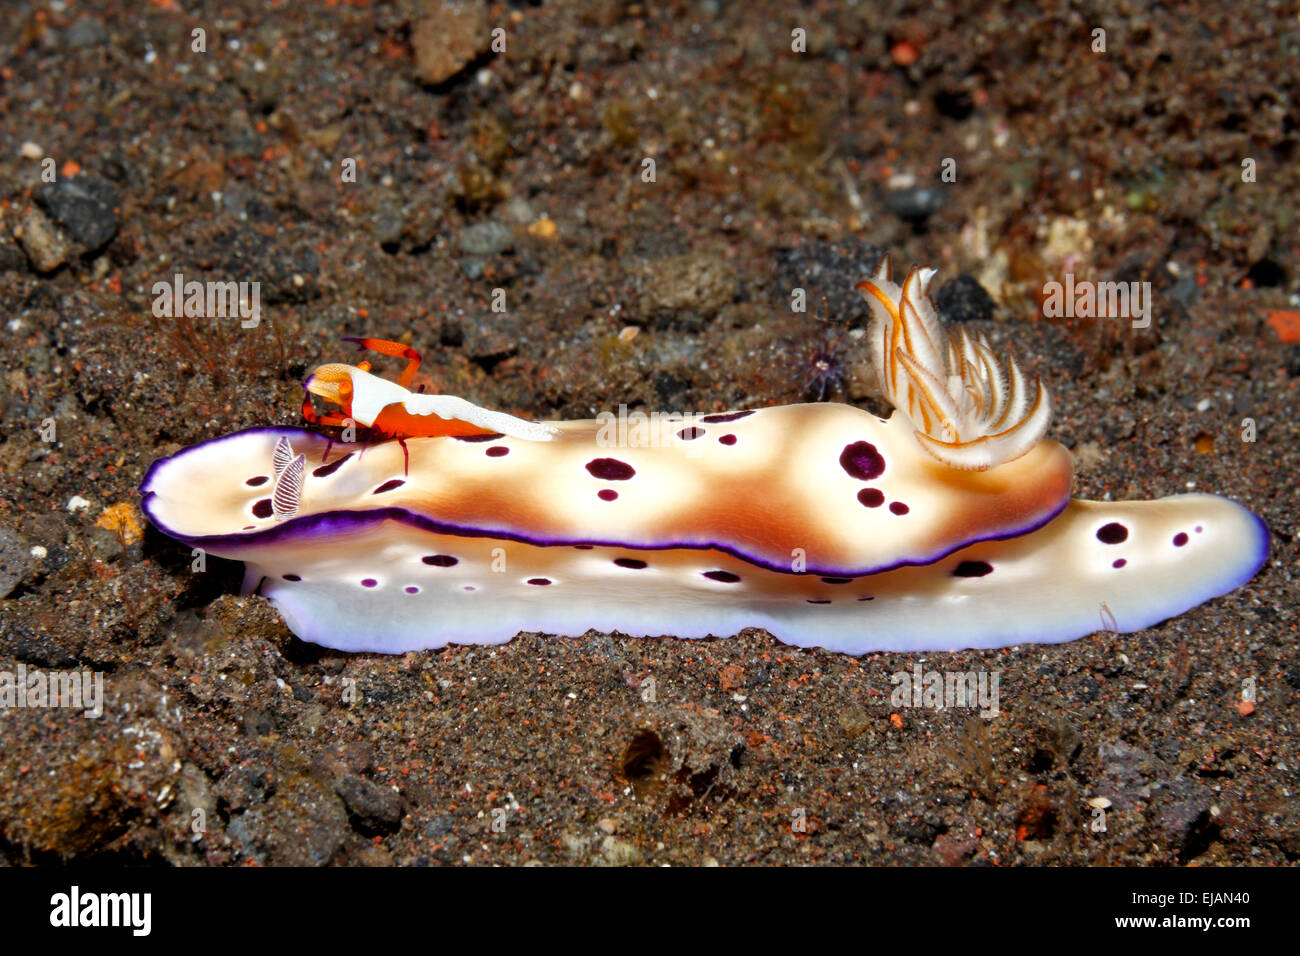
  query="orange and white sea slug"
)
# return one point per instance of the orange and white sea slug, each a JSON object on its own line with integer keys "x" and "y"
{"x": 947, "y": 526}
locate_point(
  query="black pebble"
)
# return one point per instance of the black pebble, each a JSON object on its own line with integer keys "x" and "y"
{"x": 963, "y": 299}
{"x": 914, "y": 204}
{"x": 83, "y": 205}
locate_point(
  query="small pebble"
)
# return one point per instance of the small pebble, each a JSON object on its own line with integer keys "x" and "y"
{"x": 914, "y": 205}
{"x": 13, "y": 561}
{"x": 45, "y": 246}
{"x": 485, "y": 239}
{"x": 85, "y": 207}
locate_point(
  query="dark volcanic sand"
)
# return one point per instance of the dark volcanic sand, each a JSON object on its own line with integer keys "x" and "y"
{"x": 773, "y": 169}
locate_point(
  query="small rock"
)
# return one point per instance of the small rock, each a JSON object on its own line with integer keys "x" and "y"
{"x": 1183, "y": 812}
{"x": 620, "y": 853}
{"x": 954, "y": 847}
{"x": 12, "y": 259}
{"x": 694, "y": 283}
{"x": 196, "y": 791}
{"x": 374, "y": 809}
{"x": 306, "y": 824}
{"x": 45, "y": 246}
{"x": 245, "y": 786}
{"x": 439, "y": 827}
{"x": 448, "y": 36}
{"x": 85, "y": 207}
{"x": 386, "y": 226}
{"x": 489, "y": 345}
{"x": 963, "y": 299}
{"x": 519, "y": 211}
{"x": 854, "y": 720}
{"x": 41, "y": 650}
{"x": 30, "y": 150}
{"x": 86, "y": 32}
{"x": 915, "y": 204}
{"x": 105, "y": 545}
{"x": 485, "y": 239}
{"x": 257, "y": 723}
{"x": 15, "y": 561}
{"x": 373, "y": 856}
{"x": 1126, "y": 773}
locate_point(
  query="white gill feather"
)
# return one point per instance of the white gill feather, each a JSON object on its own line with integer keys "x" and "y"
{"x": 968, "y": 410}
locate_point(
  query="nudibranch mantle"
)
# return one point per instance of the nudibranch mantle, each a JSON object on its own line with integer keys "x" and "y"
{"x": 948, "y": 525}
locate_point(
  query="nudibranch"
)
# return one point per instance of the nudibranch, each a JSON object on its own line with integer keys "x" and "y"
{"x": 948, "y": 525}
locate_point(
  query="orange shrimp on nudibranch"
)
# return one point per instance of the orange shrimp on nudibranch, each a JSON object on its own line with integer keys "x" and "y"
{"x": 390, "y": 410}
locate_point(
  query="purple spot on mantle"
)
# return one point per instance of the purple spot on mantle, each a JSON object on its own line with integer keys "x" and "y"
{"x": 263, "y": 509}
{"x": 869, "y": 597}
{"x": 291, "y": 577}
{"x": 1118, "y": 563}
{"x": 726, "y": 577}
{"x": 726, "y": 417}
{"x": 610, "y": 469}
{"x": 473, "y": 438}
{"x": 412, "y": 589}
{"x": 388, "y": 486}
{"x": 440, "y": 560}
{"x": 898, "y": 508}
{"x": 498, "y": 451}
{"x": 818, "y": 600}
{"x": 369, "y": 583}
{"x": 539, "y": 581}
{"x": 972, "y": 569}
{"x": 607, "y": 494}
{"x": 727, "y": 439}
{"x": 1198, "y": 529}
{"x": 862, "y": 460}
{"x": 324, "y": 471}
{"x": 836, "y": 580}
{"x": 1113, "y": 533}
{"x": 636, "y": 564}
{"x": 258, "y": 480}
{"x": 690, "y": 434}
{"x": 1180, "y": 539}
{"x": 871, "y": 497}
